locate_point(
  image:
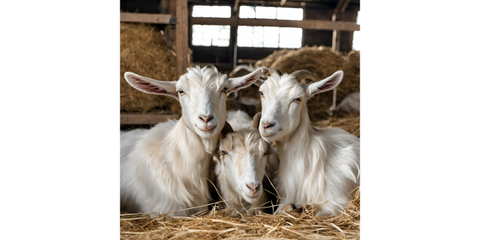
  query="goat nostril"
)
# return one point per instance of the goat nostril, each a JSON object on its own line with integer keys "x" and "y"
{"x": 253, "y": 187}
{"x": 205, "y": 118}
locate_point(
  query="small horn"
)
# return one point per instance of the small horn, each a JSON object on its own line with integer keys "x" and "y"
{"x": 212, "y": 66}
{"x": 225, "y": 130}
{"x": 301, "y": 75}
{"x": 274, "y": 70}
{"x": 256, "y": 120}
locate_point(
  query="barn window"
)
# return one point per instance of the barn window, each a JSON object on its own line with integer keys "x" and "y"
{"x": 269, "y": 37}
{"x": 279, "y": 13}
{"x": 211, "y": 11}
{"x": 356, "y": 36}
{"x": 211, "y": 35}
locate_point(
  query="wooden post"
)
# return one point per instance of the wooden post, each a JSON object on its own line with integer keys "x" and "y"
{"x": 181, "y": 37}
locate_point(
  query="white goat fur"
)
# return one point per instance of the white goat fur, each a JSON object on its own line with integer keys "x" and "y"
{"x": 245, "y": 163}
{"x": 164, "y": 169}
{"x": 238, "y": 119}
{"x": 317, "y": 167}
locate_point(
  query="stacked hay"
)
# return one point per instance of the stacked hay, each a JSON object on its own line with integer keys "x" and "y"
{"x": 323, "y": 62}
{"x": 218, "y": 224}
{"x": 266, "y": 62}
{"x": 145, "y": 51}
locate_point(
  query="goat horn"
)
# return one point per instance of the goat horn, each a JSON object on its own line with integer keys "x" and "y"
{"x": 301, "y": 75}
{"x": 211, "y": 66}
{"x": 274, "y": 70}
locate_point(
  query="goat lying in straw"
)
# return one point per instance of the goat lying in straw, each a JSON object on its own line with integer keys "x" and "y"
{"x": 317, "y": 167}
{"x": 240, "y": 165}
{"x": 165, "y": 169}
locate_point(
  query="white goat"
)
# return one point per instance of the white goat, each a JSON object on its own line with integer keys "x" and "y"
{"x": 240, "y": 167}
{"x": 165, "y": 169}
{"x": 350, "y": 103}
{"x": 239, "y": 120}
{"x": 317, "y": 167}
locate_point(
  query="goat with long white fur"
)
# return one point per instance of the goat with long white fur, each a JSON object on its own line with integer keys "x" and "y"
{"x": 165, "y": 169}
{"x": 317, "y": 167}
{"x": 240, "y": 167}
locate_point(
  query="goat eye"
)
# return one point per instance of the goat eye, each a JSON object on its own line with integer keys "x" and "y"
{"x": 297, "y": 99}
{"x": 225, "y": 89}
{"x": 261, "y": 93}
{"x": 181, "y": 92}
{"x": 224, "y": 153}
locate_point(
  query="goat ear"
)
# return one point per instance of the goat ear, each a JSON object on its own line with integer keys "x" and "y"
{"x": 325, "y": 84}
{"x": 256, "y": 120}
{"x": 225, "y": 130}
{"x": 151, "y": 86}
{"x": 235, "y": 84}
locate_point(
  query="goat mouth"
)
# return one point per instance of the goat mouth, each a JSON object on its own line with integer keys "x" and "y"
{"x": 269, "y": 135}
{"x": 207, "y": 130}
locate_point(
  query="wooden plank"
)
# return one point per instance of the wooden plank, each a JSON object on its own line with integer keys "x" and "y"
{"x": 181, "y": 37}
{"x": 147, "y": 18}
{"x": 235, "y": 5}
{"x": 144, "y": 119}
{"x": 305, "y": 24}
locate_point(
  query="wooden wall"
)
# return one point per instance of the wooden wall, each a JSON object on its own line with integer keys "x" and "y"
{"x": 223, "y": 56}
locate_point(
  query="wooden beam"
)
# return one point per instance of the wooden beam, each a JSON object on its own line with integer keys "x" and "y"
{"x": 147, "y": 18}
{"x": 305, "y": 24}
{"x": 144, "y": 119}
{"x": 181, "y": 37}
{"x": 337, "y": 15}
{"x": 235, "y": 6}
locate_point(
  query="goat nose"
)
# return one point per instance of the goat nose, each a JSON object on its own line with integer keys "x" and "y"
{"x": 206, "y": 118}
{"x": 268, "y": 125}
{"x": 252, "y": 186}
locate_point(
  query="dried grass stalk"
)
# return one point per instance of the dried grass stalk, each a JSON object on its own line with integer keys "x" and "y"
{"x": 218, "y": 224}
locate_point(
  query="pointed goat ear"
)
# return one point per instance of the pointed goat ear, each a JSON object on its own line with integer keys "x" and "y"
{"x": 256, "y": 120}
{"x": 235, "y": 84}
{"x": 325, "y": 84}
{"x": 152, "y": 86}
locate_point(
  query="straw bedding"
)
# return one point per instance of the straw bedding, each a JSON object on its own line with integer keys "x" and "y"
{"x": 218, "y": 224}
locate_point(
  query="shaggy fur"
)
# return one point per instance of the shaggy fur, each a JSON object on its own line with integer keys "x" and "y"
{"x": 244, "y": 163}
{"x": 164, "y": 169}
{"x": 317, "y": 167}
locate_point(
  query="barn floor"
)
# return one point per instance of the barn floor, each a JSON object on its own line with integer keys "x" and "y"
{"x": 218, "y": 224}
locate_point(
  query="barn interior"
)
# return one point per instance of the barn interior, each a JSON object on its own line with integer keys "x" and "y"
{"x": 161, "y": 38}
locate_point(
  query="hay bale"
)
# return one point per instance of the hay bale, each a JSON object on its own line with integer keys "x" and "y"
{"x": 323, "y": 62}
{"x": 145, "y": 51}
{"x": 267, "y": 62}
{"x": 219, "y": 224}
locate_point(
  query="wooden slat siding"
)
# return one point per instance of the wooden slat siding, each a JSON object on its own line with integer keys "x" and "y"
{"x": 305, "y": 24}
{"x": 147, "y": 18}
{"x": 144, "y": 119}
{"x": 181, "y": 37}
{"x": 337, "y": 15}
